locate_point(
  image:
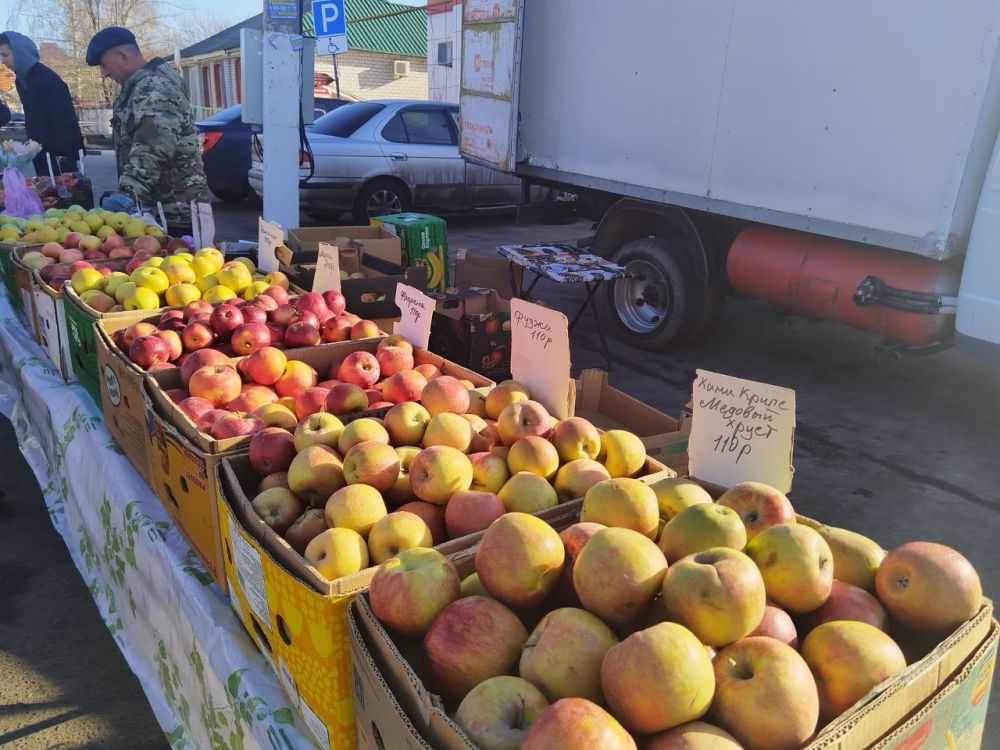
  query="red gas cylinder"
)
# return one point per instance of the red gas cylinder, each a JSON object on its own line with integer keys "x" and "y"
{"x": 894, "y": 294}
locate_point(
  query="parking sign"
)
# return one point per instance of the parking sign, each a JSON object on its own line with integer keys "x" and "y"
{"x": 331, "y": 26}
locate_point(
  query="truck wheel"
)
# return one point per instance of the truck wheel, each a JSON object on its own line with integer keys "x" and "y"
{"x": 662, "y": 302}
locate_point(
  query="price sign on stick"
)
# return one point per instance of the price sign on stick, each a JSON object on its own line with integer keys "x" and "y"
{"x": 202, "y": 225}
{"x": 741, "y": 431}
{"x": 416, "y": 310}
{"x": 269, "y": 237}
{"x": 327, "y": 268}
{"x": 539, "y": 355}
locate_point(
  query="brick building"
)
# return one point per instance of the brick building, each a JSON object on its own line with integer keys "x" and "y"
{"x": 387, "y": 58}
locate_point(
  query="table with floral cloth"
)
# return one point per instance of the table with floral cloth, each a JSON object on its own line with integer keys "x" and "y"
{"x": 208, "y": 686}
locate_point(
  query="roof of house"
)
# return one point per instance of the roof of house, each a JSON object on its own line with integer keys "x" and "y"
{"x": 404, "y": 32}
{"x": 225, "y": 39}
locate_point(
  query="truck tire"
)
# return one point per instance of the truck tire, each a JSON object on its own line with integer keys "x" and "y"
{"x": 664, "y": 300}
{"x": 380, "y": 197}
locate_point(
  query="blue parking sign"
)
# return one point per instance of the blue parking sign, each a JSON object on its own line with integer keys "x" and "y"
{"x": 328, "y": 18}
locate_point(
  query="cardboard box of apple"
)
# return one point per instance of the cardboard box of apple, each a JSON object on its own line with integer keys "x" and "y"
{"x": 238, "y": 328}
{"x": 736, "y": 625}
{"x": 349, "y": 495}
{"x": 70, "y": 225}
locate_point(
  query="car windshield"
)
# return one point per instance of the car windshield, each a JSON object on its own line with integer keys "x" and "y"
{"x": 344, "y": 121}
{"x": 227, "y": 115}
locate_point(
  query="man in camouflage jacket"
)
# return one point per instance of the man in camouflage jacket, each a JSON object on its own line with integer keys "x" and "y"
{"x": 156, "y": 146}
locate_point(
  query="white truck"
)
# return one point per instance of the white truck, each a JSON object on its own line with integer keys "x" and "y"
{"x": 838, "y": 158}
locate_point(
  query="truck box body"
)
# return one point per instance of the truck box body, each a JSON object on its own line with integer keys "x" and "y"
{"x": 871, "y": 122}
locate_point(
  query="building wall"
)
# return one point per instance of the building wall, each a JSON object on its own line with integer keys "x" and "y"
{"x": 444, "y": 82}
{"x": 363, "y": 75}
{"x": 369, "y": 75}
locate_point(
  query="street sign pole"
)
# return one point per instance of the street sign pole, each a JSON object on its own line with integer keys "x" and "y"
{"x": 281, "y": 104}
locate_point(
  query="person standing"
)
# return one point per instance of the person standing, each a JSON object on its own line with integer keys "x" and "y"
{"x": 156, "y": 145}
{"x": 49, "y": 115}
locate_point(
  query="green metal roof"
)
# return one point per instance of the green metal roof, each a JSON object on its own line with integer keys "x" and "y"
{"x": 402, "y": 34}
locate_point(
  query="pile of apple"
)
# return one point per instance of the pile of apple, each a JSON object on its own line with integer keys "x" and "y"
{"x": 735, "y": 626}
{"x": 346, "y": 496}
{"x": 151, "y": 281}
{"x": 272, "y": 319}
{"x": 58, "y": 224}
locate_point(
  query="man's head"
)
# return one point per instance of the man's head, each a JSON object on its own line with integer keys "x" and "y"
{"x": 116, "y": 51}
{"x": 17, "y": 52}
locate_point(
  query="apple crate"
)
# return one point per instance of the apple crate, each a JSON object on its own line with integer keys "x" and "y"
{"x": 297, "y": 618}
{"x": 395, "y": 708}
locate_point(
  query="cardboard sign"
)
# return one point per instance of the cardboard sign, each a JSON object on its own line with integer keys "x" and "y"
{"x": 539, "y": 355}
{"x": 202, "y": 225}
{"x": 269, "y": 237}
{"x": 327, "y": 268}
{"x": 416, "y": 311}
{"x": 741, "y": 431}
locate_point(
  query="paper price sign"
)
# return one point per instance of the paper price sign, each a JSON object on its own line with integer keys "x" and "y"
{"x": 202, "y": 224}
{"x": 741, "y": 431}
{"x": 416, "y": 310}
{"x": 539, "y": 354}
{"x": 269, "y": 237}
{"x": 327, "y": 268}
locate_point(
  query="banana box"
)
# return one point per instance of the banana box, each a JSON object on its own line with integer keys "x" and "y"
{"x": 424, "y": 240}
{"x": 297, "y": 618}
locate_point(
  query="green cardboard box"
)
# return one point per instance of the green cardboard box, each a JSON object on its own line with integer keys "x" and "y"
{"x": 424, "y": 240}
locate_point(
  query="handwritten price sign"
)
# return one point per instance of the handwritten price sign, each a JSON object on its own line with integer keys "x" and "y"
{"x": 741, "y": 430}
{"x": 416, "y": 310}
{"x": 539, "y": 354}
{"x": 327, "y": 268}
{"x": 269, "y": 237}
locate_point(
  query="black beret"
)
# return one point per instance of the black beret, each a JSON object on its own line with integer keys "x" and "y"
{"x": 104, "y": 40}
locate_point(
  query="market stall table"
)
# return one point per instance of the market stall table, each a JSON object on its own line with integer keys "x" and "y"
{"x": 207, "y": 684}
{"x": 563, "y": 264}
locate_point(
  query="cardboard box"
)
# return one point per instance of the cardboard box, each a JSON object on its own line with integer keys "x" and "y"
{"x": 488, "y": 271}
{"x": 608, "y": 408}
{"x": 870, "y": 720}
{"x": 956, "y": 716}
{"x": 121, "y": 391}
{"x": 297, "y": 618}
{"x": 303, "y": 242}
{"x": 183, "y": 460}
{"x": 7, "y": 272}
{"x": 50, "y": 319}
{"x": 373, "y": 296}
{"x": 472, "y": 326}
{"x": 424, "y": 241}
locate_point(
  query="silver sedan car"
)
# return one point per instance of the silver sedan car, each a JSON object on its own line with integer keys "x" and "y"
{"x": 391, "y": 155}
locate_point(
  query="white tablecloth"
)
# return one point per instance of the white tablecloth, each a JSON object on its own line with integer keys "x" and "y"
{"x": 207, "y": 684}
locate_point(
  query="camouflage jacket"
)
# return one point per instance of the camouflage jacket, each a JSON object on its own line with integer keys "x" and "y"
{"x": 156, "y": 146}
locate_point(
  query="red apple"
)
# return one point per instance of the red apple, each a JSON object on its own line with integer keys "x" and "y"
{"x": 310, "y": 401}
{"x": 209, "y": 418}
{"x": 199, "y": 359}
{"x": 335, "y": 301}
{"x": 197, "y": 335}
{"x": 277, "y": 293}
{"x": 265, "y": 302}
{"x": 345, "y": 398}
{"x": 848, "y": 602}
{"x": 306, "y": 317}
{"x": 283, "y": 314}
{"x": 301, "y": 334}
{"x": 250, "y": 337}
{"x": 219, "y": 384}
{"x": 146, "y": 351}
{"x": 225, "y": 319}
{"x": 468, "y": 512}
{"x": 364, "y": 329}
{"x": 271, "y": 450}
{"x": 311, "y": 302}
{"x": 360, "y": 368}
{"x": 759, "y": 505}
{"x": 777, "y": 624}
{"x": 432, "y": 515}
{"x": 177, "y": 394}
{"x": 173, "y": 339}
{"x": 197, "y": 307}
{"x": 336, "y": 329}
{"x": 235, "y": 424}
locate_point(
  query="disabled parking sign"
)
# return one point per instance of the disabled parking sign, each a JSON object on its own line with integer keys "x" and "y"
{"x": 331, "y": 26}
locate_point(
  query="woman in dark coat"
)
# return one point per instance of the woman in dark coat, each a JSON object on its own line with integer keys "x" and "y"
{"x": 49, "y": 117}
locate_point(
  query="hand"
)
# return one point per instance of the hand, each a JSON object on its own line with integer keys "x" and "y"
{"x": 118, "y": 202}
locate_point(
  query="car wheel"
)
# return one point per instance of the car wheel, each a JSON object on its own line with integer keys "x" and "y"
{"x": 662, "y": 303}
{"x": 380, "y": 198}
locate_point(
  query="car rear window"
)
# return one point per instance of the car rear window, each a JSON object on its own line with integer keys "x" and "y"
{"x": 227, "y": 115}
{"x": 344, "y": 121}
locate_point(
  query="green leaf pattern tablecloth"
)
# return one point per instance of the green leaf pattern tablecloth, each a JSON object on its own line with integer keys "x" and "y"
{"x": 208, "y": 686}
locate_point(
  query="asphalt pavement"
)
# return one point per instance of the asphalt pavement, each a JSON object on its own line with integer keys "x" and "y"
{"x": 898, "y": 451}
